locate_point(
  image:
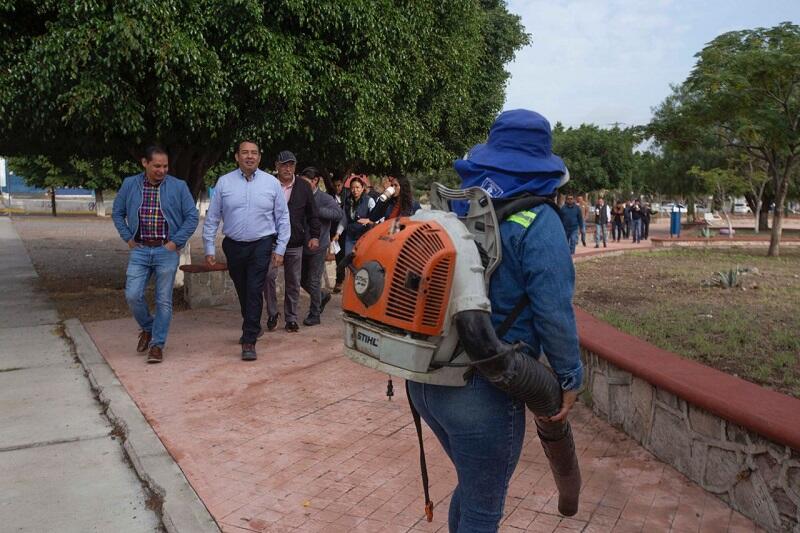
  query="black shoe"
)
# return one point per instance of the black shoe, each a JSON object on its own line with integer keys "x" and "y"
{"x": 597, "y": 246}
{"x": 325, "y": 299}
{"x": 308, "y": 321}
{"x": 272, "y": 322}
{"x": 292, "y": 327}
{"x": 249, "y": 352}
{"x": 260, "y": 334}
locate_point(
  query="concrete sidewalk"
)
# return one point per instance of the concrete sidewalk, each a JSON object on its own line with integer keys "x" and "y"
{"x": 62, "y": 470}
{"x": 304, "y": 440}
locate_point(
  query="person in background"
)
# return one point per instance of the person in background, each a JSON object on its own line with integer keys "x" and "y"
{"x": 155, "y": 215}
{"x": 355, "y": 223}
{"x": 572, "y": 219}
{"x": 397, "y": 200}
{"x": 251, "y": 205}
{"x": 338, "y": 192}
{"x": 601, "y": 218}
{"x": 329, "y": 213}
{"x": 646, "y": 214}
{"x": 584, "y": 205}
{"x": 305, "y": 234}
{"x": 617, "y": 222}
{"x": 636, "y": 216}
{"x": 370, "y": 189}
{"x": 628, "y": 219}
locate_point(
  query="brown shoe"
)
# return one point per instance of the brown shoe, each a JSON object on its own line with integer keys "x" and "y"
{"x": 249, "y": 352}
{"x": 337, "y": 288}
{"x": 156, "y": 355}
{"x": 144, "y": 341}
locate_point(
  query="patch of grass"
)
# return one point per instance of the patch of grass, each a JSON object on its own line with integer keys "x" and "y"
{"x": 752, "y": 331}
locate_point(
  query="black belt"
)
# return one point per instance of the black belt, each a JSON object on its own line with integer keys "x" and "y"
{"x": 153, "y": 244}
{"x": 245, "y": 243}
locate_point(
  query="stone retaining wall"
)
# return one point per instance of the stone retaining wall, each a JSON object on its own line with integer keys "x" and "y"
{"x": 757, "y": 477}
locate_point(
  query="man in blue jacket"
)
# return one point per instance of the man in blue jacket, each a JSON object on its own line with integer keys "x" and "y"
{"x": 572, "y": 218}
{"x": 155, "y": 215}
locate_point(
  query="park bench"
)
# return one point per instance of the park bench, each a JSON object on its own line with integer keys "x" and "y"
{"x": 207, "y": 286}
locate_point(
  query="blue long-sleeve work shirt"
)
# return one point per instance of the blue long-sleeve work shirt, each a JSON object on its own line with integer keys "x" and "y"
{"x": 249, "y": 210}
{"x": 536, "y": 259}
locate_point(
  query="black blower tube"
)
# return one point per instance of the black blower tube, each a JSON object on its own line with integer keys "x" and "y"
{"x": 528, "y": 380}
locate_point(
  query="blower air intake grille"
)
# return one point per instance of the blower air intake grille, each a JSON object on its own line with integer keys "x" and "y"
{"x": 404, "y": 294}
{"x": 434, "y": 305}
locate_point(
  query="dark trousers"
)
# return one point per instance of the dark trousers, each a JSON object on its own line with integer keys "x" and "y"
{"x": 340, "y": 263}
{"x": 311, "y": 279}
{"x": 616, "y": 230}
{"x": 645, "y": 228}
{"x": 247, "y": 266}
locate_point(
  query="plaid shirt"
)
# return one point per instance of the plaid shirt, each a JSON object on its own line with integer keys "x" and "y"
{"x": 152, "y": 224}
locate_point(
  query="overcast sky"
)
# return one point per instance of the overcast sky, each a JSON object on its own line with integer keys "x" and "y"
{"x": 606, "y": 61}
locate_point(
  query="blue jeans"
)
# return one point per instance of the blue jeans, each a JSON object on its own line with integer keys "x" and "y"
{"x": 144, "y": 263}
{"x": 599, "y": 233}
{"x": 637, "y": 230}
{"x": 572, "y": 238}
{"x": 481, "y": 429}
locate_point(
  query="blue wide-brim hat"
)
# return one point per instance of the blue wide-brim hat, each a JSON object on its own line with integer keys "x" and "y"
{"x": 517, "y": 158}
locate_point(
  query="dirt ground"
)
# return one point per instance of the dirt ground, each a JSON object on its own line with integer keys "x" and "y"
{"x": 752, "y": 331}
{"x": 81, "y": 262}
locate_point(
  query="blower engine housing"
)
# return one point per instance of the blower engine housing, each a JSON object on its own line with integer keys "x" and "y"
{"x": 408, "y": 277}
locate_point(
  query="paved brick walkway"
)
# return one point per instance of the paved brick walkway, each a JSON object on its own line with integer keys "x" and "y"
{"x": 305, "y": 440}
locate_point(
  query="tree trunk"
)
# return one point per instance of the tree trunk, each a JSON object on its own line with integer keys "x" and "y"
{"x": 756, "y": 220}
{"x": 191, "y": 165}
{"x": 781, "y": 190}
{"x": 52, "y": 193}
{"x": 99, "y": 205}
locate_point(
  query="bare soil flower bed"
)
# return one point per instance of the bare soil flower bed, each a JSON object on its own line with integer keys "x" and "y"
{"x": 664, "y": 297}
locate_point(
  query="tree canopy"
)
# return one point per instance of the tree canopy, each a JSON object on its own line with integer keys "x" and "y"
{"x": 370, "y": 84}
{"x": 596, "y": 158}
{"x": 744, "y": 91}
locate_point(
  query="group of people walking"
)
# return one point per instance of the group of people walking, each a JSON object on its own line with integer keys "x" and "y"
{"x": 269, "y": 222}
{"x": 286, "y": 221}
{"x": 628, "y": 220}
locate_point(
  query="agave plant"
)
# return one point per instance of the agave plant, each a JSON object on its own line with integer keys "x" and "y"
{"x": 727, "y": 279}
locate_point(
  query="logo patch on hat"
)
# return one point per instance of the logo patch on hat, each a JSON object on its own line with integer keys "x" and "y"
{"x": 491, "y": 187}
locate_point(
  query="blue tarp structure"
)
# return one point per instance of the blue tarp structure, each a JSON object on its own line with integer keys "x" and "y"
{"x": 16, "y": 185}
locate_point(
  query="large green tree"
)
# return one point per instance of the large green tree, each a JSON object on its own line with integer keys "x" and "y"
{"x": 597, "y": 158}
{"x": 371, "y": 84}
{"x": 745, "y": 90}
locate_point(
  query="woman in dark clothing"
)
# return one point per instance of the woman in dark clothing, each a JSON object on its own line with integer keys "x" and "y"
{"x": 356, "y": 215}
{"x": 397, "y": 200}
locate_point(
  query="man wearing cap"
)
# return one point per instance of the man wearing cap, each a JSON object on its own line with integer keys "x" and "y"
{"x": 305, "y": 232}
{"x": 481, "y": 427}
{"x": 251, "y": 205}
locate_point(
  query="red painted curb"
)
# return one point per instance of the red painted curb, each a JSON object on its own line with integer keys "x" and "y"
{"x": 771, "y": 414}
{"x": 743, "y": 238}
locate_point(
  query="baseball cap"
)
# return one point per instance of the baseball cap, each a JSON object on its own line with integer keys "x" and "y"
{"x": 285, "y": 156}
